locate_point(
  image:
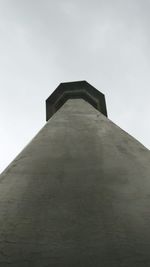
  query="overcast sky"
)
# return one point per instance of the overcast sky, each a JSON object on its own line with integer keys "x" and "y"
{"x": 45, "y": 42}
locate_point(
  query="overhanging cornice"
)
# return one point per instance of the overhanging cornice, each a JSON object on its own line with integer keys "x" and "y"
{"x": 72, "y": 90}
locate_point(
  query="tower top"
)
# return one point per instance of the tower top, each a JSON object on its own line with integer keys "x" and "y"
{"x": 71, "y": 90}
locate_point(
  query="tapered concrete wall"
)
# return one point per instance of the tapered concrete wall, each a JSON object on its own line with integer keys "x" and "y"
{"x": 77, "y": 196}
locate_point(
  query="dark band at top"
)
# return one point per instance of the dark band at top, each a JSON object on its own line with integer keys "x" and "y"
{"x": 72, "y": 90}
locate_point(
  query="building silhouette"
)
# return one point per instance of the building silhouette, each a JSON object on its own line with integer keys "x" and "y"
{"x": 78, "y": 195}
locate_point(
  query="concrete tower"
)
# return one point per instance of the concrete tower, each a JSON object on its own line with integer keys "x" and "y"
{"x": 79, "y": 194}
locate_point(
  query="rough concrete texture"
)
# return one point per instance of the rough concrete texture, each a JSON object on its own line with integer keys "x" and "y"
{"x": 77, "y": 196}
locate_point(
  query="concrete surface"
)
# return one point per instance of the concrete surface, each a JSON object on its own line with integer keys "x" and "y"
{"x": 77, "y": 196}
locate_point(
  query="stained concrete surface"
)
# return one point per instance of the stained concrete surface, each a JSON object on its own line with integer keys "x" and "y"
{"x": 77, "y": 196}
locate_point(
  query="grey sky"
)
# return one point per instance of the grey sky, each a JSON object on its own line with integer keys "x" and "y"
{"x": 44, "y": 42}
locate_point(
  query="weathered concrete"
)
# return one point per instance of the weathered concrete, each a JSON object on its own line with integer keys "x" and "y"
{"x": 77, "y": 196}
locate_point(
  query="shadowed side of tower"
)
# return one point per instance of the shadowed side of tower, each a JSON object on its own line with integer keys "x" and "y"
{"x": 79, "y": 194}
